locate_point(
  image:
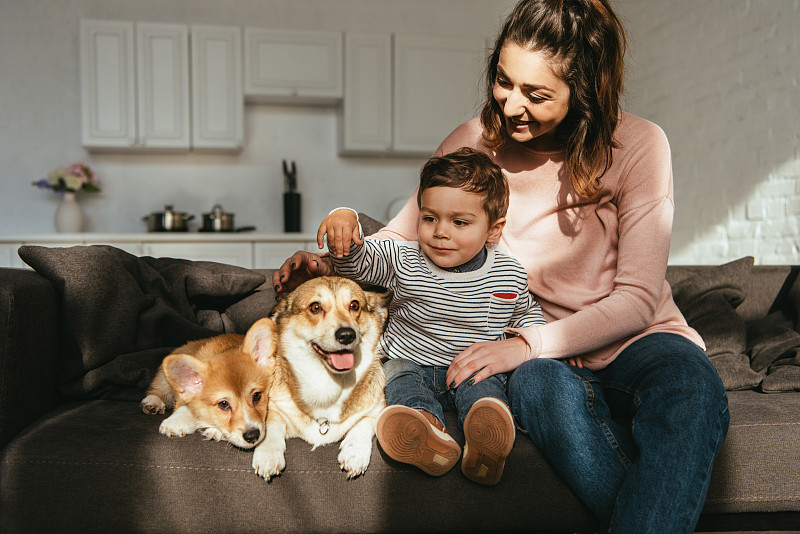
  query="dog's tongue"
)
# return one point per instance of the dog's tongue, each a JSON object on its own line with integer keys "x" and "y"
{"x": 341, "y": 361}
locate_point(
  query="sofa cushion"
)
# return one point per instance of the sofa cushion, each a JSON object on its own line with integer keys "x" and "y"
{"x": 121, "y": 314}
{"x": 758, "y": 467}
{"x": 102, "y": 466}
{"x": 708, "y": 300}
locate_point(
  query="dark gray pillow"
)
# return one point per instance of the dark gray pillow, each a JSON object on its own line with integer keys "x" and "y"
{"x": 708, "y": 301}
{"x": 769, "y": 339}
{"x": 794, "y": 298}
{"x": 369, "y": 225}
{"x": 784, "y": 374}
{"x": 780, "y": 348}
{"x": 120, "y": 314}
{"x": 241, "y": 315}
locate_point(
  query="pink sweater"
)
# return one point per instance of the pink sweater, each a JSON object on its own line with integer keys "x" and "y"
{"x": 597, "y": 268}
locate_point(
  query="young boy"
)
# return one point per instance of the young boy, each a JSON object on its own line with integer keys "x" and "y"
{"x": 452, "y": 288}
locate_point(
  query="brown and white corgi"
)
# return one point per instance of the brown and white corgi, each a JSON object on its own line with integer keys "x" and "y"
{"x": 219, "y": 385}
{"x": 327, "y": 378}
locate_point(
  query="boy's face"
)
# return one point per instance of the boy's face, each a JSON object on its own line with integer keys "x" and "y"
{"x": 453, "y": 226}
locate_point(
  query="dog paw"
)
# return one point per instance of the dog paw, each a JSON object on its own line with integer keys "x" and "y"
{"x": 172, "y": 431}
{"x": 268, "y": 463}
{"x": 212, "y": 433}
{"x": 153, "y": 405}
{"x": 354, "y": 459}
{"x": 179, "y": 424}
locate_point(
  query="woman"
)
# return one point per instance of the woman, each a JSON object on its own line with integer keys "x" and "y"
{"x": 590, "y": 218}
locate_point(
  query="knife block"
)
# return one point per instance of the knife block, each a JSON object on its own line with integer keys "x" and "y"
{"x": 291, "y": 212}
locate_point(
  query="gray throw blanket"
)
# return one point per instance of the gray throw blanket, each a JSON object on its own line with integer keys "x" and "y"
{"x": 121, "y": 314}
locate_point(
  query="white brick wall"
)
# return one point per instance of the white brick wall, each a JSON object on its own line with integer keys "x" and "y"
{"x": 721, "y": 78}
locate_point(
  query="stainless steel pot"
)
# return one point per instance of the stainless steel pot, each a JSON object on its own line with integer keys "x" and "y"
{"x": 167, "y": 220}
{"x": 218, "y": 220}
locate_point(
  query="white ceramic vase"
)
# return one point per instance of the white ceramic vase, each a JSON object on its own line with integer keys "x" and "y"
{"x": 68, "y": 217}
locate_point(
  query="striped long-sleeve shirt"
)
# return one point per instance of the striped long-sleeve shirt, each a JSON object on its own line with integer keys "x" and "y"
{"x": 435, "y": 314}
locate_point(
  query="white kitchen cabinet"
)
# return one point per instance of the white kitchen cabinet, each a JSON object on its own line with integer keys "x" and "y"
{"x": 9, "y": 256}
{"x": 240, "y": 254}
{"x": 272, "y": 255}
{"x": 366, "y": 113}
{"x": 434, "y": 84}
{"x": 261, "y": 251}
{"x": 136, "y": 91}
{"x": 107, "y": 84}
{"x": 287, "y": 66}
{"x": 113, "y": 115}
{"x": 217, "y": 95}
{"x": 162, "y": 54}
{"x": 438, "y": 85}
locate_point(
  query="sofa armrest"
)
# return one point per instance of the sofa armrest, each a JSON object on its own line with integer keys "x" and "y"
{"x": 29, "y": 340}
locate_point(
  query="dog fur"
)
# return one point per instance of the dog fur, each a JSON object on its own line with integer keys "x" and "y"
{"x": 219, "y": 385}
{"x": 327, "y": 378}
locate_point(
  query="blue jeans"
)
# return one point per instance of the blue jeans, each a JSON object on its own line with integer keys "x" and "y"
{"x": 425, "y": 388}
{"x": 652, "y": 476}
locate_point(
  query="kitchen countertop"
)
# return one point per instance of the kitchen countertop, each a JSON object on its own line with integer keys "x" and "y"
{"x": 205, "y": 237}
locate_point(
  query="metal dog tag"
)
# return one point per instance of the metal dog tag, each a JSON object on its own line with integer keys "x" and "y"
{"x": 324, "y": 426}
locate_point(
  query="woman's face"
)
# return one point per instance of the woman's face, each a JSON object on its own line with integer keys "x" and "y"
{"x": 533, "y": 98}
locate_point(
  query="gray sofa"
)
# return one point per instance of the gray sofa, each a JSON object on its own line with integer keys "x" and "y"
{"x": 81, "y": 336}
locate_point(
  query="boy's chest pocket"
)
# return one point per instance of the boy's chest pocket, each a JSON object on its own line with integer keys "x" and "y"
{"x": 501, "y": 308}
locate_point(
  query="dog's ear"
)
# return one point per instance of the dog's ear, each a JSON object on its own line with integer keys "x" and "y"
{"x": 281, "y": 307}
{"x": 378, "y": 302}
{"x": 260, "y": 341}
{"x": 185, "y": 374}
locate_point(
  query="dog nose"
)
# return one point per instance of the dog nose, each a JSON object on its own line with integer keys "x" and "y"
{"x": 251, "y": 436}
{"x": 345, "y": 335}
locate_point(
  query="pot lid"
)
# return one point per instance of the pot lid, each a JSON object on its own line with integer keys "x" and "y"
{"x": 217, "y": 212}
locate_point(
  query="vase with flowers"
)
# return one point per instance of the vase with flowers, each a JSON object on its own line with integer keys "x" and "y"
{"x": 68, "y": 181}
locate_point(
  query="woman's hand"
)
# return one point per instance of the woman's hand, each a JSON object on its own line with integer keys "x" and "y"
{"x": 487, "y": 358}
{"x": 300, "y": 267}
{"x": 575, "y": 361}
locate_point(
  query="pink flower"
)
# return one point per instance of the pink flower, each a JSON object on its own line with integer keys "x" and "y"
{"x": 82, "y": 170}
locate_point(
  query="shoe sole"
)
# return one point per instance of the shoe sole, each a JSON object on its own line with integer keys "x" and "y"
{"x": 406, "y": 436}
{"x": 489, "y": 433}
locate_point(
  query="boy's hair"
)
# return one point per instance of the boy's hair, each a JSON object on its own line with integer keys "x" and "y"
{"x": 470, "y": 171}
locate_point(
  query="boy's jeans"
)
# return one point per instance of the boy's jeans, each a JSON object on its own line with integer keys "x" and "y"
{"x": 654, "y": 477}
{"x": 425, "y": 388}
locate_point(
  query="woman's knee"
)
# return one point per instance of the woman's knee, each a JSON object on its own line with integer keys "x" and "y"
{"x": 545, "y": 385}
{"x": 684, "y": 382}
{"x": 692, "y": 375}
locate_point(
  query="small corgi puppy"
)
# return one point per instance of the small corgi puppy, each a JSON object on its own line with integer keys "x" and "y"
{"x": 219, "y": 385}
{"x": 327, "y": 382}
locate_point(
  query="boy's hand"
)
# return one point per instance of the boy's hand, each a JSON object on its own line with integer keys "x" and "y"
{"x": 342, "y": 229}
